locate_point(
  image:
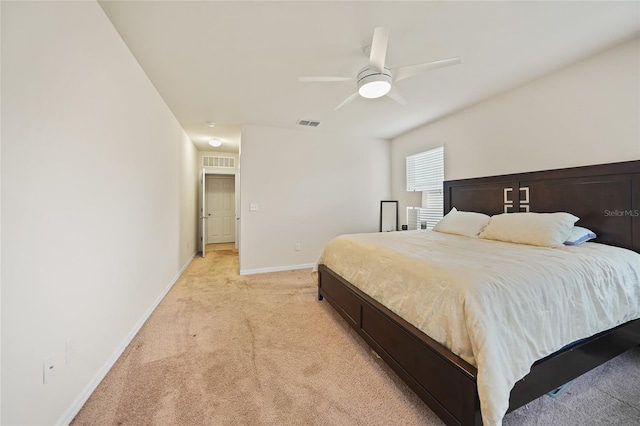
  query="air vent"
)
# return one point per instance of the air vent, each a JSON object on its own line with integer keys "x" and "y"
{"x": 225, "y": 162}
{"x": 308, "y": 123}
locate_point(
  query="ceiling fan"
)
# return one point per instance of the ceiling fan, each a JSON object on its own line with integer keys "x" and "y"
{"x": 376, "y": 80}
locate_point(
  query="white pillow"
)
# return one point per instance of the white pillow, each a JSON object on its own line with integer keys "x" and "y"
{"x": 579, "y": 235}
{"x": 468, "y": 224}
{"x": 537, "y": 229}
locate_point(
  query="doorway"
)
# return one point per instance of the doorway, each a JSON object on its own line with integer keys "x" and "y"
{"x": 220, "y": 209}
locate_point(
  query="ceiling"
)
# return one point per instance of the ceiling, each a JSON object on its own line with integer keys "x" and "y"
{"x": 238, "y": 62}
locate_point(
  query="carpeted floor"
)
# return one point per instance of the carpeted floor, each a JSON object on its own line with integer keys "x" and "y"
{"x": 224, "y": 349}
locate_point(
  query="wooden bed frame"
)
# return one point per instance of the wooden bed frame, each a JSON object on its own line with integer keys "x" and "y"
{"x": 607, "y": 200}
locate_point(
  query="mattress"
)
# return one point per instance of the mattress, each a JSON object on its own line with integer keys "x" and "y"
{"x": 499, "y": 306}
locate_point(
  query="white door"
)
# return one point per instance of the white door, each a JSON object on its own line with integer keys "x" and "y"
{"x": 221, "y": 211}
{"x": 203, "y": 217}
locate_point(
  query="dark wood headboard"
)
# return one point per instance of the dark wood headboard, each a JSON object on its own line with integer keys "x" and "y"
{"x": 605, "y": 197}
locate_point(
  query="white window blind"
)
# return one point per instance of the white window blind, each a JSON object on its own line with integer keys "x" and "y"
{"x": 425, "y": 170}
{"x": 432, "y": 203}
{"x": 226, "y": 162}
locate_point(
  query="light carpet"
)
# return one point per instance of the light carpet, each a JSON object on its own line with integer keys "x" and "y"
{"x": 225, "y": 349}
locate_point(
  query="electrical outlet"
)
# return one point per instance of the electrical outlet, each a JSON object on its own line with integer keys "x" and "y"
{"x": 297, "y": 247}
{"x": 48, "y": 369}
{"x": 70, "y": 350}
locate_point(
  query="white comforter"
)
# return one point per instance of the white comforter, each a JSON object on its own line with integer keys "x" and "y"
{"x": 499, "y": 306}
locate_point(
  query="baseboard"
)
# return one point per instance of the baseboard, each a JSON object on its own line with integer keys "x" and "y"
{"x": 276, "y": 269}
{"x": 82, "y": 398}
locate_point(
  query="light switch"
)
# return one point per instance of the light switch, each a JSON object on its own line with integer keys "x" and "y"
{"x": 253, "y": 207}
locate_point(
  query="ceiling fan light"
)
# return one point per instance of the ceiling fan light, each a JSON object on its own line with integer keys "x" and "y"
{"x": 374, "y": 89}
{"x": 215, "y": 142}
{"x": 373, "y": 83}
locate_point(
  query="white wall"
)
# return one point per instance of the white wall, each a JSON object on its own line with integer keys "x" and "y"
{"x": 588, "y": 113}
{"x": 0, "y": 220}
{"x": 310, "y": 186}
{"x": 188, "y": 197}
{"x": 98, "y": 203}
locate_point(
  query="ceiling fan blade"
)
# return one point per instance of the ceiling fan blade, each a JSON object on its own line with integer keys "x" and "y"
{"x": 379, "y": 48}
{"x": 401, "y": 73}
{"x": 323, "y": 79}
{"x": 397, "y": 96}
{"x": 349, "y": 99}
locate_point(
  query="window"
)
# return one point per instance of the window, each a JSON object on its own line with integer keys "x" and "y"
{"x": 425, "y": 172}
{"x": 226, "y": 162}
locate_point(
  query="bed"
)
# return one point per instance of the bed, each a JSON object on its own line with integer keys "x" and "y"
{"x": 605, "y": 197}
